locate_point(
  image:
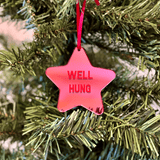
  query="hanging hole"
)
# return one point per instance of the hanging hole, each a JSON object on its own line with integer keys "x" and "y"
{"x": 78, "y": 49}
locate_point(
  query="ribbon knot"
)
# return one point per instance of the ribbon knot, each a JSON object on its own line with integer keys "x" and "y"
{"x": 80, "y": 20}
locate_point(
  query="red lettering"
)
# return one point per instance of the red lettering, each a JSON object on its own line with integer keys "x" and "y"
{"x": 71, "y": 88}
{"x": 89, "y": 75}
{"x": 72, "y": 74}
{"x": 84, "y": 75}
{"x": 88, "y": 88}
{"x": 76, "y": 88}
{"x": 79, "y": 75}
{"x": 79, "y": 88}
{"x": 82, "y": 88}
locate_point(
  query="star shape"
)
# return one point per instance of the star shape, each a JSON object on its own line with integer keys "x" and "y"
{"x": 80, "y": 83}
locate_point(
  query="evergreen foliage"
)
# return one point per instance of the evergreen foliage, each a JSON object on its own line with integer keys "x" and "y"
{"x": 123, "y": 31}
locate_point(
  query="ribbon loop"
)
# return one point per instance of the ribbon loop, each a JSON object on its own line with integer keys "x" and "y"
{"x": 80, "y": 20}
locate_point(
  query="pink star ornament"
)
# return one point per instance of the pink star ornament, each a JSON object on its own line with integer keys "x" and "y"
{"x": 80, "y": 83}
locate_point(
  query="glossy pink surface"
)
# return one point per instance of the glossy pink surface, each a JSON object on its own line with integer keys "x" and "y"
{"x": 80, "y": 83}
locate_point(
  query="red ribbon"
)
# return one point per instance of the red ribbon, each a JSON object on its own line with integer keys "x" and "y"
{"x": 80, "y": 20}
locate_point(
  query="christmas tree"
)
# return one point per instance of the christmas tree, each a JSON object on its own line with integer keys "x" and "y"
{"x": 120, "y": 35}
